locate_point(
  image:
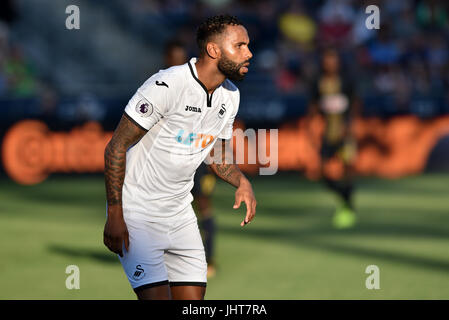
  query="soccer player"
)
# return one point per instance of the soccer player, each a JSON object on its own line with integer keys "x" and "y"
{"x": 168, "y": 128}
{"x": 333, "y": 98}
{"x": 204, "y": 180}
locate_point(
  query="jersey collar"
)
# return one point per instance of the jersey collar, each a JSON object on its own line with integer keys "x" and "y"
{"x": 194, "y": 73}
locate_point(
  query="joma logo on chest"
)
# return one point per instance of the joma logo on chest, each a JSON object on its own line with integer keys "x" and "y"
{"x": 193, "y": 109}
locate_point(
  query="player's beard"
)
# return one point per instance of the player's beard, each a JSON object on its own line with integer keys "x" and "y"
{"x": 230, "y": 69}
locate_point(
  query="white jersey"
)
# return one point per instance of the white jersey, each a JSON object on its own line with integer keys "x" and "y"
{"x": 183, "y": 123}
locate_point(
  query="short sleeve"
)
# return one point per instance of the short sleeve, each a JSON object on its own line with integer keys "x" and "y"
{"x": 226, "y": 133}
{"x": 151, "y": 102}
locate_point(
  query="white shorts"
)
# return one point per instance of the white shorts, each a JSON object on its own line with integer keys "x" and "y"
{"x": 169, "y": 252}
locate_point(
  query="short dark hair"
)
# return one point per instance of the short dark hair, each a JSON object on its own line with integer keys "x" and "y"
{"x": 213, "y": 26}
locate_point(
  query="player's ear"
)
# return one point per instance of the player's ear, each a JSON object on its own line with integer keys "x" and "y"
{"x": 213, "y": 50}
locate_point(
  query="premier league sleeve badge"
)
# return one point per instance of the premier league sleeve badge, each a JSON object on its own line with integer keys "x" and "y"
{"x": 144, "y": 108}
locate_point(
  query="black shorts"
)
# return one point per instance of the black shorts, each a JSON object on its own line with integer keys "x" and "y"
{"x": 204, "y": 182}
{"x": 330, "y": 150}
{"x": 344, "y": 149}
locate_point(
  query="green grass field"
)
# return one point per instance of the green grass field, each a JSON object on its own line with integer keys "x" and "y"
{"x": 290, "y": 251}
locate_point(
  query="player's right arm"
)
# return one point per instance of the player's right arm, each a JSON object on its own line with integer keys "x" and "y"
{"x": 125, "y": 135}
{"x": 146, "y": 107}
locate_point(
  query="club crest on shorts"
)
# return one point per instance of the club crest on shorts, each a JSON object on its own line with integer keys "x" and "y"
{"x": 222, "y": 111}
{"x": 144, "y": 108}
{"x": 139, "y": 273}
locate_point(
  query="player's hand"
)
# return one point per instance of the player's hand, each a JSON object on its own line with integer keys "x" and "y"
{"x": 115, "y": 232}
{"x": 245, "y": 193}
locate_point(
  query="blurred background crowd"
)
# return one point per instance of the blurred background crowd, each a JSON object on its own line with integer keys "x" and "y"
{"x": 74, "y": 75}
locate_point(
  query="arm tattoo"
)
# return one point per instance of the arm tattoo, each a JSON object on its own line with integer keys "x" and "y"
{"x": 126, "y": 134}
{"x": 229, "y": 172}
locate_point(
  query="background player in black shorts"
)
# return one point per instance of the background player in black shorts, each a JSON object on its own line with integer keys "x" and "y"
{"x": 333, "y": 98}
{"x": 202, "y": 193}
{"x": 175, "y": 53}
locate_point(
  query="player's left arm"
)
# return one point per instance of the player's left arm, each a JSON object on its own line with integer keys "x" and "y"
{"x": 231, "y": 173}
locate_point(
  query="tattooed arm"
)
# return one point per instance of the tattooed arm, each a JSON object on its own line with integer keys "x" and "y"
{"x": 231, "y": 173}
{"x": 126, "y": 134}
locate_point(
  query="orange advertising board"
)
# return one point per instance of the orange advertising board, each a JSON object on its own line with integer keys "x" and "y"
{"x": 387, "y": 148}
{"x": 31, "y": 151}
